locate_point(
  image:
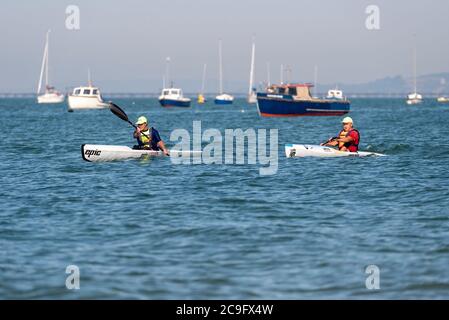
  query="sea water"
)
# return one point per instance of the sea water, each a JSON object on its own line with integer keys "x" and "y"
{"x": 150, "y": 229}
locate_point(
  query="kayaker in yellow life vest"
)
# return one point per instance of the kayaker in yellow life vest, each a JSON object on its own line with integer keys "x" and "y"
{"x": 348, "y": 139}
{"x": 148, "y": 138}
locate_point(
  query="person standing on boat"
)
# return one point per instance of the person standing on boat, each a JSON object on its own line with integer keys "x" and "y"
{"x": 148, "y": 138}
{"x": 348, "y": 139}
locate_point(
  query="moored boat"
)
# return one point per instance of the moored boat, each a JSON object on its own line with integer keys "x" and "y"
{"x": 201, "y": 97}
{"x": 173, "y": 97}
{"x": 222, "y": 98}
{"x": 335, "y": 94}
{"x": 85, "y": 98}
{"x": 294, "y": 100}
{"x": 51, "y": 95}
{"x": 415, "y": 97}
{"x": 443, "y": 99}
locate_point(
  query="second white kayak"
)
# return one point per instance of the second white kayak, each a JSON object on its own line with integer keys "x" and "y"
{"x": 309, "y": 150}
{"x": 101, "y": 153}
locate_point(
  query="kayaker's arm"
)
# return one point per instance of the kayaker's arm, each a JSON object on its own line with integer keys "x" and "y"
{"x": 137, "y": 133}
{"x": 345, "y": 139}
{"x": 161, "y": 146}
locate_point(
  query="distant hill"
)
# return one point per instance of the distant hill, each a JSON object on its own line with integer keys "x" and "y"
{"x": 433, "y": 84}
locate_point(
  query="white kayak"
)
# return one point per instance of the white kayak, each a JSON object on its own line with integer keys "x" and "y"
{"x": 101, "y": 153}
{"x": 309, "y": 150}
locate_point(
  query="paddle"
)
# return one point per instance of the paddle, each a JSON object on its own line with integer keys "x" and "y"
{"x": 115, "y": 109}
{"x": 331, "y": 139}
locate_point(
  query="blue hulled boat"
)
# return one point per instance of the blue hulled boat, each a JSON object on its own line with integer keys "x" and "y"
{"x": 173, "y": 98}
{"x": 294, "y": 100}
{"x": 224, "y": 99}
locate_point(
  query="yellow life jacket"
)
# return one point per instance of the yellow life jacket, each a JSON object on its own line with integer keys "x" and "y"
{"x": 143, "y": 140}
{"x": 342, "y": 135}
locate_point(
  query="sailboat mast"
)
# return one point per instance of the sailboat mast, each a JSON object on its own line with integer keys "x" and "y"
{"x": 251, "y": 73}
{"x": 44, "y": 62}
{"x": 268, "y": 75}
{"x": 220, "y": 58}
{"x": 203, "y": 81}
{"x": 282, "y": 74}
{"x": 414, "y": 68}
{"x": 167, "y": 70}
{"x": 89, "y": 80}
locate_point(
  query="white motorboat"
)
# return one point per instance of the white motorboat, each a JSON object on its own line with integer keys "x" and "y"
{"x": 87, "y": 97}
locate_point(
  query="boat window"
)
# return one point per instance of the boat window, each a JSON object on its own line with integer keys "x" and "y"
{"x": 281, "y": 90}
{"x": 293, "y": 91}
{"x": 95, "y": 91}
{"x": 77, "y": 91}
{"x": 86, "y": 91}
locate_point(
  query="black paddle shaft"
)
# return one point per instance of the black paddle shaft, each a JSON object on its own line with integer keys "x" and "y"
{"x": 115, "y": 109}
{"x": 331, "y": 139}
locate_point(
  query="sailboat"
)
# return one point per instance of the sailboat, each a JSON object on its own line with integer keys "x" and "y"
{"x": 414, "y": 98}
{"x": 86, "y": 97}
{"x": 222, "y": 98}
{"x": 252, "y": 96}
{"x": 51, "y": 95}
{"x": 201, "y": 98}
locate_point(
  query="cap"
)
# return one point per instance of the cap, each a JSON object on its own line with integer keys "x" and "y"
{"x": 141, "y": 120}
{"x": 347, "y": 120}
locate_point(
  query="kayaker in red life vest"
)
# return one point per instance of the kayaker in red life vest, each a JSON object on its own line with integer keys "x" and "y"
{"x": 348, "y": 139}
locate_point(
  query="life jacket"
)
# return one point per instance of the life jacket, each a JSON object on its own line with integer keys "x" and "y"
{"x": 143, "y": 141}
{"x": 347, "y": 145}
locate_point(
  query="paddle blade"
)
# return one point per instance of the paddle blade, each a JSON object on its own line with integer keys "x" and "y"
{"x": 115, "y": 109}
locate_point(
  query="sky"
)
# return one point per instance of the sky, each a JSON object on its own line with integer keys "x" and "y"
{"x": 125, "y": 43}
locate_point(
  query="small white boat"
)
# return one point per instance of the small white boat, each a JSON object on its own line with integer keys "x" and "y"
{"x": 51, "y": 95}
{"x": 103, "y": 153}
{"x": 335, "y": 94}
{"x": 415, "y": 97}
{"x": 222, "y": 98}
{"x": 173, "y": 97}
{"x": 443, "y": 99}
{"x": 306, "y": 150}
{"x": 88, "y": 97}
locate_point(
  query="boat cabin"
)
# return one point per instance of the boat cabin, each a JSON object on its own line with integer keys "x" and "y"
{"x": 335, "y": 94}
{"x": 86, "y": 92}
{"x": 172, "y": 92}
{"x": 298, "y": 91}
